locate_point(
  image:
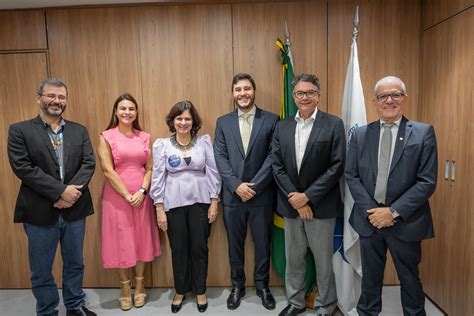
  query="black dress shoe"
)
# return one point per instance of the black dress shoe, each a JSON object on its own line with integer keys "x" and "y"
{"x": 291, "y": 310}
{"x": 267, "y": 298}
{"x": 81, "y": 311}
{"x": 201, "y": 307}
{"x": 176, "y": 307}
{"x": 234, "y": 298}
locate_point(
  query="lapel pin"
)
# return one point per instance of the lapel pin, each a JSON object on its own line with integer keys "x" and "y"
{"x": 401, "y": 138}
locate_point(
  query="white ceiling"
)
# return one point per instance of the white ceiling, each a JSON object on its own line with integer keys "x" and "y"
{"x": 25, "y": 4}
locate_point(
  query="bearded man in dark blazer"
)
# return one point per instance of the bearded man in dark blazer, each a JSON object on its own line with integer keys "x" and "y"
{"x": 242, "y": 145}
{"x": 391, "y": 172}
{"x": 54, "y": 160}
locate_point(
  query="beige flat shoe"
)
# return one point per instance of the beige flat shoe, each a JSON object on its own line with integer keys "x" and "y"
{"x": 125, "y": 302}
{"x": 139, "y": 298}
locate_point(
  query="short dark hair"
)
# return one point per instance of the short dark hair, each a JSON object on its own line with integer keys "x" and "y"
{"x": 114, "y": 120}
{"x": 307, "y": 78}
{"x": 55, "y": 82}
{"x": 177, "y": 110}
{"x": 243, "y": 76}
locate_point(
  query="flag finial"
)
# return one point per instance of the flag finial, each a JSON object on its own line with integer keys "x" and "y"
{"x": 355, "y": 32}
{"x": 287, "y": 35}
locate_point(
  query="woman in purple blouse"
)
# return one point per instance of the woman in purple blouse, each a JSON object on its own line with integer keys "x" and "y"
{"x": 185, "y": 186}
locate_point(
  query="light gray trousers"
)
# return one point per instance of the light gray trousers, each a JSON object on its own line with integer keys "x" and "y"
{"x": 317, "y": 234}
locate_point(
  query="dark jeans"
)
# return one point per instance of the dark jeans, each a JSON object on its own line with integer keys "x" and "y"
{"x": 42, "y": 245}
{"x": 188, "y": 231}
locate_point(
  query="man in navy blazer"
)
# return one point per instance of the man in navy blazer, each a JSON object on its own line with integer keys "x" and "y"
{"x": 54, "y": 160}
{"x": 308, "y": 162}
{"x": 242, "y": 151}
{"x": 391, "y": 207}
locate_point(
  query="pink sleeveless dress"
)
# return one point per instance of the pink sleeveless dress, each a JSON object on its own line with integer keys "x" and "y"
{"x": 129, "y": 234}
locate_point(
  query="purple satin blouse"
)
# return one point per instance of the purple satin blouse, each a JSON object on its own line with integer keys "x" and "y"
{"x": 175, "y": 183}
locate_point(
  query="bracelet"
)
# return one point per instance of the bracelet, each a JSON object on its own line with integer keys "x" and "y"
{"x": 143, "y": 190}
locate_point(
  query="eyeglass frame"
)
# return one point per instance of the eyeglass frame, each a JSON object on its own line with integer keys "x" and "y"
{"x": 305, "y": 93}
{"x": 51, "y": 97}
{"x": 398, "y": 96}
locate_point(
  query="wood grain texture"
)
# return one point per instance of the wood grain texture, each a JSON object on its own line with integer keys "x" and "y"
{"x": 96, "y": 52}
{"x": 256, "y": 27}
{"x": 186, "y": 54}
{"x": 22, "y": 30}
{"x": 448, "y": 73}
{"x": 20, "y": 75}
{"x": 435, "y": 11}
{"x": 388, "y": 44}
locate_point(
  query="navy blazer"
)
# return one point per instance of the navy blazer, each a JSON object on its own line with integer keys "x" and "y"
{"x": 34, "y": 162}
{"x": 412, "y": 179}
{"x": 236, "y": 167}
{"x": 321, "y": 168}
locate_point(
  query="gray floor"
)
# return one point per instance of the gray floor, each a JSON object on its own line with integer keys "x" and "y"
{"x": 104, "y": 302}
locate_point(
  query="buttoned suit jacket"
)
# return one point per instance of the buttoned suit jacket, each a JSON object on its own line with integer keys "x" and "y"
{"x": 321, "y": 168}
{"x": 34, "y": 162}
{"x": 236, "y": 167}
{"x": 411, "y": 181}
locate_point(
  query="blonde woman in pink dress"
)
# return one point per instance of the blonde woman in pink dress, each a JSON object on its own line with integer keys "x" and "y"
{"x": 129, "y": 231}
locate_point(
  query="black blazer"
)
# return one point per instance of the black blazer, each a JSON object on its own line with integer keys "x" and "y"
{"x": 411, "y": 181}
{"x": 321, "y": 168}
{"x": 235, "y": 167}
{"x": 33, "y": 160}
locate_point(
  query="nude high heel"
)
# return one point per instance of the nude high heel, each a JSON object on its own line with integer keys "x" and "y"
{"x": 125, "y": 301}
{"x": 139, "y": 298}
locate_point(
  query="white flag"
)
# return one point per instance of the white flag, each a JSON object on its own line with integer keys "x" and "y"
{"x": 346, "y": 261}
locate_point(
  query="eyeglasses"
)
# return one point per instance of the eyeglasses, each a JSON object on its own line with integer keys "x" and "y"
{"x": 309, "y": 94}
{"x": 52, "y": 96}
{"x": 394, "y": 96}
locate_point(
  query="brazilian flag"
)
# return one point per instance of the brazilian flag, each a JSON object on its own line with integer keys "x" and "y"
{"x": 288, "y": 108}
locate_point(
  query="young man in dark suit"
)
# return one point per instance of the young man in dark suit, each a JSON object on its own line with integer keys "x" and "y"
{"x": 242, "y": 152}
{"x": 54, "y": 160}
{"x": 308, "y": 160}
{"x": 391, "y": 172}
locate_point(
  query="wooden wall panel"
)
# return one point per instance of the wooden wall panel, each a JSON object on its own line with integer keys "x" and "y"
{"x": 388, "y": 44}
{"x": 435, "y": 11}
{"x": 96, "y": 52}
{"x": 255, "y": 30}
{"x": 22, "y": 30}
{"x": 19, "y": 78}
{"x": 186, "y": 54}
{"x": 448, "y": 73}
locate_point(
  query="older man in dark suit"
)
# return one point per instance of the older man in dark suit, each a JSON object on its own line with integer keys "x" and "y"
{"x": 308, "y": 161}
{"x": 242, "y": 152}
{"x": 54, "y": 160}
{"x": 391, "y": 172}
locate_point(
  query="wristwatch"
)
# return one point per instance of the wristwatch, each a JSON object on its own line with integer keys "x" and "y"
{"x": 394, "y": 212}
{"x": 143, "y": 190}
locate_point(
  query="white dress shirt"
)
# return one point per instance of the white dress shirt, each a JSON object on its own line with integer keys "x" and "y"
{"x": 303, "y": 130}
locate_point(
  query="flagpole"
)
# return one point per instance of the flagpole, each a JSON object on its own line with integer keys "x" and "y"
{"x": 346, "y": 261}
